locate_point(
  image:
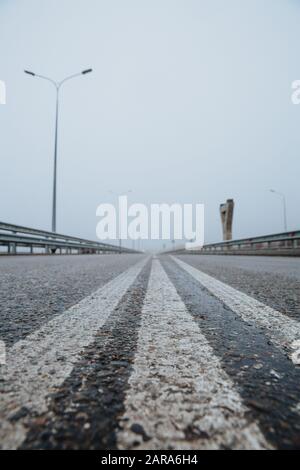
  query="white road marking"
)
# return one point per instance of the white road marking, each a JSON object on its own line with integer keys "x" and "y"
{"x": 179, "y": 395}
{"x": 295, "y": 356}
{"x": 282, "y": 330}
{"x": 2, "y": 353}
{"x": 36, "y": 366}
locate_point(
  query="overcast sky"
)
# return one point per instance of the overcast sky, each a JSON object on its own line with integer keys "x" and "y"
{"x": 190, "y": 101}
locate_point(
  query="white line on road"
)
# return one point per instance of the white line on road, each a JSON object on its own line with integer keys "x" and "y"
{"x": 36, "y": 366}
{"x": 179, "y": 396}
{"x": 282, "y": 330}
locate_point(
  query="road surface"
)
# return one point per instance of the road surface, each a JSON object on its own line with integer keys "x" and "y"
{"x": 137, "y": 352}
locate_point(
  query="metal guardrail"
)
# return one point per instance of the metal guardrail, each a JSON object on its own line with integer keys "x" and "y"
{"x": 15, "y": 236}
{"x": 282, "y": 244}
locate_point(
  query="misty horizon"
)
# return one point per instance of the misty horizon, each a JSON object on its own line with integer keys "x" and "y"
{"x": 188, "y": 102}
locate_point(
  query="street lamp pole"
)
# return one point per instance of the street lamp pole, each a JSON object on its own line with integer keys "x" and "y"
{"x": 58, "y": 86}
{"x": 55, "y": 164}
{"x": 284, "y": 207}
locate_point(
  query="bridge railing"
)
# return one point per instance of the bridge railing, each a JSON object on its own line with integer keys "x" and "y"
{"x": 281, "y": 244}
{"x": 14, "y": 237}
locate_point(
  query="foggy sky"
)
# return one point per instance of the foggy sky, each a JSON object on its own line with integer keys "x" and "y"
{"x": 190, "y": 101}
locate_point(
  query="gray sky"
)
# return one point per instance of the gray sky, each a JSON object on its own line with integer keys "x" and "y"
{"x": 189, "y": 102}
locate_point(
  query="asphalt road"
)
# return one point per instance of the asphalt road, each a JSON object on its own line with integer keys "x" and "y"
{"x": 34, "y": 288}
{"x": 272, "y": 280}
{"x": 134, "y": 352}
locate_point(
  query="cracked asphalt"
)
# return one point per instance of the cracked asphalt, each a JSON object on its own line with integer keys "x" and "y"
{"x": 137, "y": 352}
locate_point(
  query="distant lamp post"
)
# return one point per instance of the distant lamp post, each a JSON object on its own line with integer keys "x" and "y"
{"x": 57, "y": 86}
{"x": 284, "y": 207}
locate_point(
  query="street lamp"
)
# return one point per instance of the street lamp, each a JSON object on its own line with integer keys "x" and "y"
{"x": 57, "y": 86}
{"x": 284, "y": 207}
{"x": 119, "y": 195}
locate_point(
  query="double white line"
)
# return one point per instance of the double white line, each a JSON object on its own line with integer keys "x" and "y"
{"x": 36, "y": 366}
{"x": 178, "y": 394}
